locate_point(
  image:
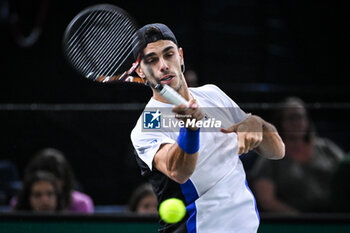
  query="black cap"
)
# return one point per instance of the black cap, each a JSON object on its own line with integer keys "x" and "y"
{"x": 152, "y": 33}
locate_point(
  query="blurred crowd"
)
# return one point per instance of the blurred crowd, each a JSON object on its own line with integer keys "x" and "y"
{"x": 312, "y": 178}
{"x": 307, "y": 179}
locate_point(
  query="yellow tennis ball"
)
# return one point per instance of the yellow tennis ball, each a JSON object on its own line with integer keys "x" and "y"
{"x": 172, "y": 210}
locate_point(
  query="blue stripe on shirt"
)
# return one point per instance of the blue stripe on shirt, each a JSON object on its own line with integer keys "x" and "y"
{"x": 256, "y": 208}
{"x": 190, "y": 193}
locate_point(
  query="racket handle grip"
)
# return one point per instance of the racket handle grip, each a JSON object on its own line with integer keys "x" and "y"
{"x": 172, "y": 96}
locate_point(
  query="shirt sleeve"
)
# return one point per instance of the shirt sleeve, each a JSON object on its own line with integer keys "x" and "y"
{"x": 147, "y": 144}
{"x": 235, "y": 111}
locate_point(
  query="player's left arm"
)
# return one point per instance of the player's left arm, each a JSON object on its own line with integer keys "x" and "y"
{"x": 254, "y": 133}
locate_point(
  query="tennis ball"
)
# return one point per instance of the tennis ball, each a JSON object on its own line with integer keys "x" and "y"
{"x": 172, "y": 210}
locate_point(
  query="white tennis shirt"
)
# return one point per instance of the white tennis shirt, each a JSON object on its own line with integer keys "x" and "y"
{"x": 217, "y": 196}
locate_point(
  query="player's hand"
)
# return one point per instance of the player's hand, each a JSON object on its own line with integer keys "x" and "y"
{"x": 249, "y": 133}
{"x": 184, "y": 113}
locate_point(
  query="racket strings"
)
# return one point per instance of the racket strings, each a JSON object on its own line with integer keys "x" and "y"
{"x": 82, "y": 27}
{"x": 124, "y": 43}
{"x": 102, "y": 43}
{"x": 82, "y": 36}
{"x": 125, "y": 57}
{"x": 85, "y": 39}
{"x": 106, "y": 50}
{"x": 122, "y": 54}
{"x": 97, "y": 47}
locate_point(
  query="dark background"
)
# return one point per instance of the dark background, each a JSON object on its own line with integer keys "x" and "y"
{"x": 256, "y": 51}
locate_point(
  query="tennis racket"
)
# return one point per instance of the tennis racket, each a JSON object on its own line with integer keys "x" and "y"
{"x": 99, "y": 42}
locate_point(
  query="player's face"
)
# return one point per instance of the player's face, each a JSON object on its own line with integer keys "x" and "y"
{"x": 164, "y": 59}
{"x": 43, "y": 196}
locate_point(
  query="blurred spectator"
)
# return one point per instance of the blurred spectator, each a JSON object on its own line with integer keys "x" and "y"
{"x": 53, "y": 160}
{"x": 143, "y": 200}
{"x": 301, "y": 181}
{"x": 191, "y": 78}
{"x": 39, "y": 193}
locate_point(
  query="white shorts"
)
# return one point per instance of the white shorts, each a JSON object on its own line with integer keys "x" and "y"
{"x": 228, "y": 207}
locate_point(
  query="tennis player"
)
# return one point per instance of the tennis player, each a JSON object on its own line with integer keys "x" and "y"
{"x": 201, "y": 168}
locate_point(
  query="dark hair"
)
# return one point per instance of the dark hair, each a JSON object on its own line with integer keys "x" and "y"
{"x": 23, "y": 200}
{"x": 152, "y": 33}
{"x": 139, "y": 193}
{"x": 53, "y": 161}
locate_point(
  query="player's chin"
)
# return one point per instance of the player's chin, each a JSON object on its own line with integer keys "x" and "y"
{"x": 176, "y": 85}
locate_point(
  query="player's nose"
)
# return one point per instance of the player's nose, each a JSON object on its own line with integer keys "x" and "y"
{"x": 163, "y": 65}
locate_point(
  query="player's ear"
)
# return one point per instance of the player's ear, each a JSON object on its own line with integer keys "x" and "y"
{"x": 140, "y": 72}
{"x": 181, "y": 53}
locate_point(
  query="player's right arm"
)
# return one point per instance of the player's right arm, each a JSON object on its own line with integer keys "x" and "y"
{"x": 179, "y": 160}
{"x": 175, "y": 163}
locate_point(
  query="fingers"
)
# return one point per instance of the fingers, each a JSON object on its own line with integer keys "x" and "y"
{"x": 249, "y": 134}
{"x": 198, "y": 115}
{"x": 184, "y": 112}
{"x": 183, "y": 107}
{"x": 241, "y": 144}
{"x": 196, "y": 112}
{"x": 193, "y": 104}
{"x": 179, "y": 108}
{"x": 257, "y": 140}
{"x": 231, "y": 129}
{"x": 248, "y": 141}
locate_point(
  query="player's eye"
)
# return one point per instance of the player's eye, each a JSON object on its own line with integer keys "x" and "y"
{"x": 169, "y": 54}
{"x": 150, "y": 60}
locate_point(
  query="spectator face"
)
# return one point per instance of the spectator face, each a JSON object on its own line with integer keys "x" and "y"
{"x": 295, "y": 119}
{"x": 147, "y": 205}
{"x": 43, "y": 197}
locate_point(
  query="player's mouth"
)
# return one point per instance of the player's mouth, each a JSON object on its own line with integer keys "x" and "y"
{"x": 166, "y": 79}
